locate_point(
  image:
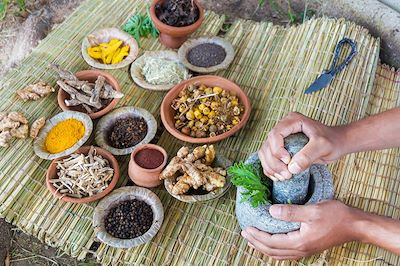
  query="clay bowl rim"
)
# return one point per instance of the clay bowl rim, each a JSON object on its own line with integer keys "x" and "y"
{"x": 204, "y": 79}
{"x": 212, "y": 195}
{"x": 129, "y": 40}
{"x": 151, "y": 147}
{"x": 110, "y": 79}
{"x": 84, "y": 150}
{"x": 173, "y": 30}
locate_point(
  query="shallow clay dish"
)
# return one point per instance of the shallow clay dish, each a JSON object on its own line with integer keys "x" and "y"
{"x": 52, "y": 173}
{"x": 137, "y": 68}
{"x": 38, "y": 145}
{"x": 91, "y": 76}
{"x": 104, "y": 36}
{"x": 108, "y": 120}
{"x": 220, "y": 161}
{"x": 188, "y": 45}
{"x": 171, "y": 36}
{"x": 112, "y": 200}
{"x": 168, "y": 113}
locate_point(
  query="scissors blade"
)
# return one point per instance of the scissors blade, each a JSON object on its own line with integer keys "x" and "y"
{"x": 320, "y": 83}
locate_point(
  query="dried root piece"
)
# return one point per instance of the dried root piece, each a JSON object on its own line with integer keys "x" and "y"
{"x": 183, "y": 152}
{"x": 18, "y": 117}
{"x": 172, "y": 168}
{"x": 182, "y": 186}
{"x": 209, "y": 155}
{"x": 35, "y": 91}
{"x": 214, "y": 181}
{"x": 5, "y": 138}
{"x": 6, "y": 124}
{"x": 36, "y": 127}
{"x": 198, "y": 153}
{"x": 20, "y": 132}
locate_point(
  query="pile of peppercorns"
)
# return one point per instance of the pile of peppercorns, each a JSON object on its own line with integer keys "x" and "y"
{"x": 129, "y": 219}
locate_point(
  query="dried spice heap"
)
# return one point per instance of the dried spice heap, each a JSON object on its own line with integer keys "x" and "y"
{"x": 149, "y": 158}
{"x": 206, "y": 55}
{"x": 127, "y": 132}
{"x": 129, "y": 219}
{"x": 82, "y": 175}
{"x": 203, "y": 111}
{"x": 177, "y": 13}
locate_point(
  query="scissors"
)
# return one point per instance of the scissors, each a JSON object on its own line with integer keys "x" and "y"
{"x": 326, "y": 77}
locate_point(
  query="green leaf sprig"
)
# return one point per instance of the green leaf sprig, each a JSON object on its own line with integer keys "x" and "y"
{"x": 140, "y": 26}
{"x": 249, "y": 177}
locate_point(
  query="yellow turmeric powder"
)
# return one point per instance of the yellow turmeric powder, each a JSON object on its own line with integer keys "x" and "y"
{"x": 64, "y": 135}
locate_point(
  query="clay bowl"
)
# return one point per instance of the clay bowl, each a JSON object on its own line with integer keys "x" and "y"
{"x": 118, "y": 196}
{"x": 200, "y": 195}
{"x": 52, "y": 173}
{"x": 145, "y": 177}
{"x": 105, "y": 35}
{"x": 91, "y": 76}
{"x": 167, "y": 112}
{"x": 173, "y": 37}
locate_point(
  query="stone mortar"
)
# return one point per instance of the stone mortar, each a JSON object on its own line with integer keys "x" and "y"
{"x": 320, "y": 188}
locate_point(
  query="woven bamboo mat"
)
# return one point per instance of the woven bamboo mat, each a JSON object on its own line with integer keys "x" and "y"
{"x": 273, "y": 65}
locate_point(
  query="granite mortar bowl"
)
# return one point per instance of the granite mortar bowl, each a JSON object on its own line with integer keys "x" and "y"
{"x": 91, "y": 76}
{"x": 52, "y": 173}
{"x": 168, "y": 113}
{"x": 170, "y": 36}
{"x": 320, "y": 188}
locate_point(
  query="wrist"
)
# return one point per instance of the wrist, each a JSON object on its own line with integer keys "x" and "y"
{"x": 361, "y": 225}
{"x": 343, "y": 140}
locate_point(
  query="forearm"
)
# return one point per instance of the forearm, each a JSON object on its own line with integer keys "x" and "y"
{"x": 377, "y": 230}
{"x": 377, "y": 132}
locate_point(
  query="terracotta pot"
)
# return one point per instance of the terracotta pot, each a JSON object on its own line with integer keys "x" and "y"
{"x": 170, "y": 36}
{"x": 52, "y": 173}
{"x": 142, "y": 176}
{"x": 91, "y": 76}
{"x": 168, "y": 113}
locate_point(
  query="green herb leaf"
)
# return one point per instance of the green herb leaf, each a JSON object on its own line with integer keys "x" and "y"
{"x": 140, "y": 26}
{"x": 249, "y": 177}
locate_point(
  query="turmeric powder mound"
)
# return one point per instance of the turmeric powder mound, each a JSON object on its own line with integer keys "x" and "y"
{"x": 64, "y": 135}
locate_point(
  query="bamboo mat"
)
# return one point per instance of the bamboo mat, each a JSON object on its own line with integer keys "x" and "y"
{"x": 273, "y": 65}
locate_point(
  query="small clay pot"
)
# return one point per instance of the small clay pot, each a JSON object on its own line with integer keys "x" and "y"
{"x": 52, "y": 173}
{"x": 91, "y": 76}
{"x": 174, "y": 37}
{"x": 168, "y": 113}
{"x": 142, "y": 176}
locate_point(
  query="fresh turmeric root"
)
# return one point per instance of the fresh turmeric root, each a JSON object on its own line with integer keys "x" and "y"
{"x": 194, "y": 170}
{"x": 107, "y": 53}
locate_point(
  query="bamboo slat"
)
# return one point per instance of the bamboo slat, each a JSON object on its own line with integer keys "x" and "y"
{"x": 273, "y": 65}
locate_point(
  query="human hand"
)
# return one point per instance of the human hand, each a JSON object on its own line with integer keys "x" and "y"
{"x": 323, "y": 225}
{"x": 326, "y": 145}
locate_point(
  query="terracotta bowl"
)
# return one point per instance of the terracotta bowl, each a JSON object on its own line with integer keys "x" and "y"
{"x": 168, "y": 113}
{"x": 91, "y": 76}
{"x": 146, "y": 177}
{"x": 174, "y": 37}
{"x": 52, "y": 173}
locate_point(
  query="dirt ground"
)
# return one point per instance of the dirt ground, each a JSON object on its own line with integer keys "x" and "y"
{"x": 20, "y": 31}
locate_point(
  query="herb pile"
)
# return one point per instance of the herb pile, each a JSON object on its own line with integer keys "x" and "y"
{"x": 140, "y": 26}
{"x": 177, "y": 13}
{"x": 250, "y": 178}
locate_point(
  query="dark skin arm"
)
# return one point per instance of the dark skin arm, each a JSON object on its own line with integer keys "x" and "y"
{"x": 324, "y": 225}
{"x": 328, "y": 223}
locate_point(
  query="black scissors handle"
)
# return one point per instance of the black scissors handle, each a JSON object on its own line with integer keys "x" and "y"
{"x": 335, "y": 70}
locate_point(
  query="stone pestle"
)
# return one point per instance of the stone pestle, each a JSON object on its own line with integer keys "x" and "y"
{"x": 295, "y": 189}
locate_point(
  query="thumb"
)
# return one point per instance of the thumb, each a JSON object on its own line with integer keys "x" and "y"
{"x": 305, "y": 158}
{"x": 291, "y": 213}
